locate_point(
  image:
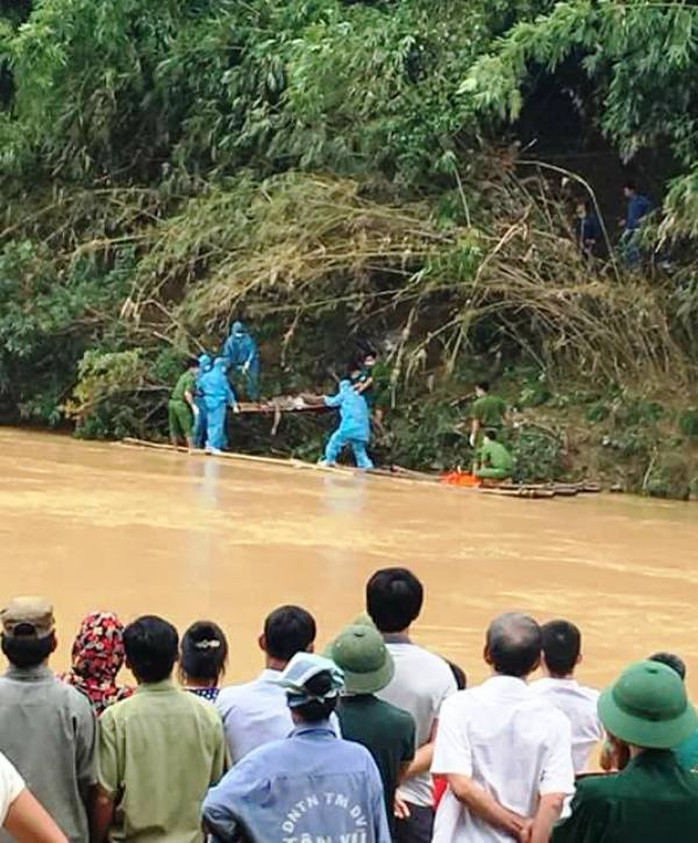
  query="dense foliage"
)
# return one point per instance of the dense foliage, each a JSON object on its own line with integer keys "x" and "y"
{"x": 337, "y": 171}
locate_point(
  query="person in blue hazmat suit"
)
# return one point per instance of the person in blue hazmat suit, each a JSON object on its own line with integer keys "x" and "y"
{"x": 354, "y": 424}
{"x": 218, "y": 396}
{"x": 241, "y": 353}
{"x": 200, "y": 423}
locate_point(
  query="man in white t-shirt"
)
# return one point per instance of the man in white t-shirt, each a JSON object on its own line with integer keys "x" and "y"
{"x": 505, "y": 751}
{"x": 421, "y": 683}
{"x": 562, "y": 644}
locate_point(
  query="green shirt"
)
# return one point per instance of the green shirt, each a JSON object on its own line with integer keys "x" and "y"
{"x": 186, "y": 383}
{"x": 489, "y": 410}
{"x": 687, "y": 753}
{"x": 159, "y": 751}
{"x": 386, "y": 731}
{"x": 652, "y": 801}
{"x": 495, "y": 455}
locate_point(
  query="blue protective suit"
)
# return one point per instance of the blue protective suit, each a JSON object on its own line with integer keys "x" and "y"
{"x": 638, "y": 208}
{"x": 242, "y": 356}
{"x": 218, "y": 395}
{"x": 201, "y": 425}
{"x": 354, "y": 425}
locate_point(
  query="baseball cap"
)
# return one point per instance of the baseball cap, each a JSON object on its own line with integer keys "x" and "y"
{"x": 300, "y": 670}
{"x": 647, "y": 706}
{"x": 361, "y": 653}
{"x": 30, "y": 617}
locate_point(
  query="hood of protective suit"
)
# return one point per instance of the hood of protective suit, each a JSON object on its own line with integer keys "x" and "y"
{"x": 205, "y": 362}
{"x": 238, "y": 329}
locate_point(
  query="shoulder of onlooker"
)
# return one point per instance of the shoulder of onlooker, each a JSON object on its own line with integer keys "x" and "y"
{"x": 397, "y": 714}
{"x": 596, "y": 787}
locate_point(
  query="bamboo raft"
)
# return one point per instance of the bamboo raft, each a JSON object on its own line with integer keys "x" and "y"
{"x": 534, "y": 491}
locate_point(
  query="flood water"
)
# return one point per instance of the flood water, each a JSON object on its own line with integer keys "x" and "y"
{"x": 102, "y": 526}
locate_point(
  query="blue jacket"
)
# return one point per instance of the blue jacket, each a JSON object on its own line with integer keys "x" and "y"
{"x": 239, "y": 348}
{"x": 638, "y": 207}
{"x": 215, "y": 386}
{"x": 309, "y": 786}
{"x": 353, "y": 411}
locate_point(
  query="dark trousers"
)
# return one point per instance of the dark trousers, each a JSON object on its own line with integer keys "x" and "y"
{"x": 419, "y": 828}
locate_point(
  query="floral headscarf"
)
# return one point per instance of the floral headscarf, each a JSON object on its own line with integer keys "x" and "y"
{"x": 98, "y": 655}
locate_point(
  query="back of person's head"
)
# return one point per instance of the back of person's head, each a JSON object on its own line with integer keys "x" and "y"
{"x": 483, "y": 386}
{"x": 491, "y": 434}
{"x": 203, "y": 652}
{"x": 312, "y": 686}
{"x": 514, "y": 644}
{"x": 458, "y": 675}
{"x": 318, "y": 709}
{"x": 562, "y": 644}
{"x": 671, "y": 660}
{"x": 394, "y": 598}
{"x": 151, "y": 648}
{"x": 192, "y": 363}
{"x": 28, "y": 631}
{"x": 288, "y": 630}
{"x": 630, "y": 186}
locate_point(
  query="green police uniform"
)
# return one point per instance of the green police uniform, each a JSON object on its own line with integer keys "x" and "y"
{"x": 652, "y": 800}
{"x": 490, "y": 411}
{"x": 495, "y": 462}
{"x": 180, "y": 414}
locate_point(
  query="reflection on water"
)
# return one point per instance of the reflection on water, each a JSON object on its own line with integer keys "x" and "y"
{"x": 96, "y": 526}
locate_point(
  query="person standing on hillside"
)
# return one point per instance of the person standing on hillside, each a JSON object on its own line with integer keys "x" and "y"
{"x": 181, "y": 407}
{"x": 387, "y": 732}
{"x": 242, "y": 356}
{"x": 420, "y": 684}
{"x": 638, "y": 208}
{"x": 488, "y": 411}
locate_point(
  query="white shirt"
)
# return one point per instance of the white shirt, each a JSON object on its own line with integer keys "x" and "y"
{"x": 421, "y": 683}
{"x": 11, "y": 785}
{"x": 256, "y": 713}
{"x": 509, "y": 740}
{"x": 579, "y": 704}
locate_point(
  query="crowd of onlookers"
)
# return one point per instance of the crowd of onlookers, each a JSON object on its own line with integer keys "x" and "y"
{"x": 376, "y": 740}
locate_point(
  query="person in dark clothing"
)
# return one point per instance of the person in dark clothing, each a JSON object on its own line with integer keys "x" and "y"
{"x": 386, "y": 731}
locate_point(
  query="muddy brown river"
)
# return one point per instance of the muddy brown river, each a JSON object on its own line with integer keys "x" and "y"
{"x": 102, "y": 526}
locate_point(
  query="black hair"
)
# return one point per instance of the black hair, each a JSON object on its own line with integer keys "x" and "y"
{"x": 192, "y": 363}
{"x": 458, "y": 675}
{"x": 483, "y": 385}
{"x": 25, "y": 651}
{"x": 203, "y": 652}
{"x": 288, "y": 630}
{"x": 630, "y": 184}
{"x": 562, "y": 642}
{"x": 151, "y": 648}
{"x": 316, "y": 710}
{"x": 394, "y": 598}
{"x": 514, "y": 643}
{"x": 491, "y": 433}
{"x": 671, "y": 660}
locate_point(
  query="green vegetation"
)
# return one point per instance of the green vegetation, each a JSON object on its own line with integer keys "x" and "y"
{"x": 338, "y": 171}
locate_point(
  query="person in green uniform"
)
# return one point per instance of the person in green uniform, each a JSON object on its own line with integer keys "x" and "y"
{"x": 687, "y": 751}
{"x": 488, "y": 411}
{"x": 646, "y": 712}
{"x": 182, "y": 408}
{"x": 493, "y": 461}
{"x": 371, "y": 378}
{"x": 388, "y": 732}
